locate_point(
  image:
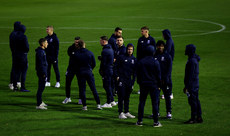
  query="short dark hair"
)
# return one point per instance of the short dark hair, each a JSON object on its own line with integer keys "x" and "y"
{"x": 120, "y": 37}
{"x": 144, "y": 28}
{"x": 104, "y": 38}
{"x": 160, "y": 42}
{"x": 117, "y": 29}
{"x": 50, "y": 26}
{"x": 81, "y": 43}
{"x": 41, "y": 41}
{"x": 77, "y": 38}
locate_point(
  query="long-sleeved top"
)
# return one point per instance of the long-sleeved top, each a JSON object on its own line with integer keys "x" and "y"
{"x": 53, "y": 47}
{"x": 120, "y": 51}
{"x": 41, "y": 62}
{"x": 112, "y": 42}
{"x": 107, "y": 57}
{"x": 71, "y": 51}
{"x": 12, "y": 36}
{"x": 142, "y": 44}
{"x": 21, "y": 42}
{"x": 169, "y": 47}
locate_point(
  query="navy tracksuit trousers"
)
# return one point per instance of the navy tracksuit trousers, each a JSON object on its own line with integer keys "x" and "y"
{"x": 194, "y": 102}
{"x": 56, "y": 70}
{"x": 107, "y": 80}
{"x": 167, "y": 93}
{"x": 69, "y": 77}
{"x": 41, "y": 87}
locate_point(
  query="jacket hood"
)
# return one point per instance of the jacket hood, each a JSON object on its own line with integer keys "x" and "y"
{"x": 190, "y": 49}
{"x": 22, "y": 28}
{"x": 129, "y": 45}
{"x": 150, "y": 50}
{"x": 17, "y": 26}
{"x": 166, "y": 34}
{"x": 197, "y": 57}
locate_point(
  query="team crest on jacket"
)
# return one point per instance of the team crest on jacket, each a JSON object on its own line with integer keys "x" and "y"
{"x": 132, "y": 61}
{"x": 51, "y": 40}
{"x": 148, "y": 42}
{"x": 126, "y": 60}
{"x": 142, "y": 41}
{"x": 162, "y": 58}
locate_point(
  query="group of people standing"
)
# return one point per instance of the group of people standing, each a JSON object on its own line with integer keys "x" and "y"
{"x": 119, "y": 69}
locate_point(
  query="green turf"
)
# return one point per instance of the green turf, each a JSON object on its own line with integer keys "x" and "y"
{"x": 187, "y": 20}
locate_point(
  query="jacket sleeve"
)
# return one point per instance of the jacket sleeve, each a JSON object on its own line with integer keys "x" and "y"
{"x": 139, "y": 73}
{"x": 169, "y": 65}
{"x": 189, "y": 72}
{"x": 116, "y": 66}
{"x": 134, "y": 72}
{"x": 93, "y": 61}
{"x": 56, "y": 47}
{"x": 40, "y": 63}
{"x": 26, "y": 45}
{"x": 158, "y": 73}
{"x": 138, "y": 50}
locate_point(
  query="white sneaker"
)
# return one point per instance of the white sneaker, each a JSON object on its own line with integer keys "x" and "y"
{"x": 79, "y": 102}
{"x": 66, "y": 100}
{"x": 162, "y": 97}
{"x": 19, "y": 84}
{"x": 113, "y": 103}
{"x": 99, "y": 107}
{"x": 171, "y": 96}
{"x": 11, "y": 86}
{"x": 158, "y": 124}
{"x": 57, "y": 85}
{"x": 43, "y": 104}
{"x": 84, "y": 108}
{"x": 169, "y": 115}
{"x": 106, "y": 105}
{"x": 128, "y": 115}
{"x": 41, "y": 107}
{"x": 122, "y": 116}
{"x": 139, "y": 92}
{"x": 48, "y": 84}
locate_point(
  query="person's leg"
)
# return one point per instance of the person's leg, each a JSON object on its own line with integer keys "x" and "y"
{"x": 107, "y": 86}
{"x": 128, "y": 91}
{"x": 143, "y": 96}
{"x": 121, "y": 93}
{"x": 154, "y": 94}
{"x": 167, "y": 94}
{"x": 41, "y": 87}
{"x": 24, "y": 68}
{"x": 69, "y": 78}
{"x": 49, "y": 71}
{"x": 56, "y": 70}
{"x": 91, "y": 83}
{"x": 193, "y": 103}
{"x": 82, "y": 88}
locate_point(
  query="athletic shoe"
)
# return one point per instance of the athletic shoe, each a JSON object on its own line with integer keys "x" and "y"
{"x": 113, "y": 103}
{"x": 24, "y": 90}
{"x": 41, "y": 107}
{"x": 48, "y": 84}
{"x": 139, "y": 123}
{"x": 19, "y": 84}
{"x": 138, "y": 92}
{"x": 169, "y": 115}
{"x": 128, "y": 115}
{"x": 190, "y": 121}
{"x": 79, "y": 102}
{"x": 158, "y": 124}
{"x": 16, "y": 89}
{"x": 171, "y": 96}
{"x": 162, "y": 97}
{"x": 99, "y": 107}
{"x": 57, "y": 85}
{"x": 84, "y": 108}
{"x": 66, "y": 100}
{"x": 106, "y": 105}
{"x": 11, "y": 86}
{"x": 122, "y": 116}
{"x": 43, "y": 104}
{"x": 199, "y": 120}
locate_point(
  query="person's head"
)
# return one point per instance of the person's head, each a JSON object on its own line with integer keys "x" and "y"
{"x": 17, "y": 25}
{"x": 103, "y": 40}
{"x": 166, "y": 34}
{"x": 49, "y": 30}
{"x": 81, "y": 44}
{"x": 160, "y": 46}
{"x": 130, "y": 49}
{"x": 76, "y": 40}
{"x": 150, "y": 50}
{"x": 145, "y": 31}
{"x": 118, "y": 31}
{"x": 22, "y": 28}
{"x": 190, "y": 49}
{"x": 43, "y": 43}
{"x": 120, "y": 41}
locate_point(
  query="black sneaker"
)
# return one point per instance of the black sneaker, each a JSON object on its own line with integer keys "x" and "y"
{"x": 199, "y": 120}
{"x": 139, "y": 123}
{"x": 190, "y": 121}
{"x": 158, "y": 124}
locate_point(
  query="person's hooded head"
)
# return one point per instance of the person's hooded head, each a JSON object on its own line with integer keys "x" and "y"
{"x": 190, "y": 50}
{"x": 150, "y": 50}
{"x": 130, "y": 49}
{"x": 17, "y": 25}
{"x": 166, "y": 34}
{"x": 22, "y": 28}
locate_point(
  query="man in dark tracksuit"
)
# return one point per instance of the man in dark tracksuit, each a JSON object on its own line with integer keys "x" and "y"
{"x": 165, "y": 61}
{"x": 148, "y": 77}
{"x": 41, "y": 68}
{"x": 12, "y": 48}
{"x": 52, "y": 55}
{"x": 144, "y": 42}
{"x": 169, "y": 48}
{"x": 85, "y": 63}
{"x": 71, "y": 72}
{"x": 106, "y": 70}
{"x": 191, "y": 82}
{"x": 20, "y": 58}
{"x": 125, "y": 73}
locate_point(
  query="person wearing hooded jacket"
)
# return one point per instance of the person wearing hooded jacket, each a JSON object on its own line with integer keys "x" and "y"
{"x": 191, "y": 82}
{"x": 169, "y": 48}
{"x": 12, "y": 48}
{"x": 149, "y": 79}
{"x": 21, "y": 49}
{"x": 125, "y": 73}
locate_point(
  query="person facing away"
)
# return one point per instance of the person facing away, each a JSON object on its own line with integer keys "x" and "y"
{"x": 149, "y": 78}
{"x": 52, "y": 55}
{"x": 113, "y": 39}
{"x": 41, "y": 68}
{"x": 191, "y": 82}
{"x": 125, "y": 74}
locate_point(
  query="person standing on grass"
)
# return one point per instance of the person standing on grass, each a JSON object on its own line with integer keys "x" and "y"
{"x": 125, "y": 73}
{"x": 52, "y": 55}
{"x": 106, "y": 70}
{"x": 191, "y": 82}
{"x": 41, "y": 68}
{"x": 149, "y": 78}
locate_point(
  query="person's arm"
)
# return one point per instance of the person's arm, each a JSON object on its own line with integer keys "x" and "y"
{"x": 134, "y": 75}
{"x": 56, "y": 44}
{"x": 138, "y": 50}
{"x": 158, "y": 73}
{"x": 169, "y": 66}
{"x": 93, "y": 61}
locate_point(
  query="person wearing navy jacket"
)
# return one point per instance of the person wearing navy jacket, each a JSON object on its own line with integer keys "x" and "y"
{"x": 52, "y": 55}
{"x": 113, "y": 39}
{"x": 165, "y": 61}
{"x": 12, "y": 48}
{"x": 41, "y": 68}
{"x": 191, "y": 82}
{"x": 106, "y": 70}
{"x": 169, "y": 48}
{"x": 149, "y": 79}
{"x": 21, "y": 50}
{"x": 121, "y": 49}
{"x": 85, "y": 63}
{"x": 125, "y": 73}
{"x": 144, "y": 42}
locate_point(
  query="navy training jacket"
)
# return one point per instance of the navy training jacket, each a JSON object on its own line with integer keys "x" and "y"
{"x": 169, "y": 47}
{"x": 113, "y": 42}
{"x": 53, "y": 47}
{"x": 12, "y": 36}
{"x": 21, "y": 43}
{"x": 120, "y": 51}
{"x": 41, "y": 63}
{"x": 107, "y": 57}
